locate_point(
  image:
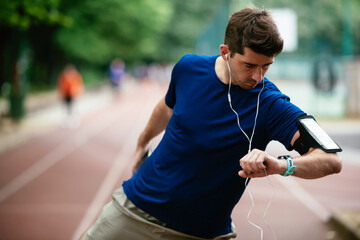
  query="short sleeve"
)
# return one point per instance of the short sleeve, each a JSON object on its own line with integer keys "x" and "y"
{"x": 281, "y": 120}
{"x": 179, "y": 68}
{"x": 170, "y": 97}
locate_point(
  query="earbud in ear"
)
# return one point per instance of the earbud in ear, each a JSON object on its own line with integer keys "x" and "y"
{"x": 226, "y": 56}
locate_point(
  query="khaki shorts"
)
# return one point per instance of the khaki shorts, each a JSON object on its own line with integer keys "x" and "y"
{"x": 122, "y": 220}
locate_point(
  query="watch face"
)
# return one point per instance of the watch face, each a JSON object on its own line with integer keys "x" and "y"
{"x": 292, "y": 168}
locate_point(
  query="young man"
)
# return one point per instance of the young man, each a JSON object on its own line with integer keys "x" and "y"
{"x": 218, "y": 110}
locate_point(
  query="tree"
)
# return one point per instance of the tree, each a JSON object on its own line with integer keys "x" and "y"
{"x": 90, "y": 33}
{"x": 16, "y": 17}
{"x": 187, "y": 22}
{"x": 103, "y": 30}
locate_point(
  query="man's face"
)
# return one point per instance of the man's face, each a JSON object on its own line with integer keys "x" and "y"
{"x": 249, "y": 69}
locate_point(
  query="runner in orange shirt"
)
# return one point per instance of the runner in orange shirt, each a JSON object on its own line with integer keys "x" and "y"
{"x": 70, "y": 85}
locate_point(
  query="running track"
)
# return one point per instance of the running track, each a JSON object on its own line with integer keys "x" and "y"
{"x": 53, "y": 185}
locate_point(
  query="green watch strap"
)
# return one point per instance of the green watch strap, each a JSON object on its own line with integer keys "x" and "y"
{"x": 290, "y": 165}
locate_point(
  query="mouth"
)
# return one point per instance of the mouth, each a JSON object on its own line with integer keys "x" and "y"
{"x": 252, "y": 84}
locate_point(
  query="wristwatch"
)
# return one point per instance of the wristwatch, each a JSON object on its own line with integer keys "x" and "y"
{"x": 290, "y": 165}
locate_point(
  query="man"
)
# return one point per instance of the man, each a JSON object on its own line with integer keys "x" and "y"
{"x": 218, "y": 110}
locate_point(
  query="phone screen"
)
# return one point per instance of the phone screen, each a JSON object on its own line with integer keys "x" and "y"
{"x": 319, "y": 134}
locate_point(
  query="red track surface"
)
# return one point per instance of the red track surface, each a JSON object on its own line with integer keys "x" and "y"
{"x": 54, "y": 185}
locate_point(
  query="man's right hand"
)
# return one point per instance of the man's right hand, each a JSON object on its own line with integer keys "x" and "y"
{"x": 140, "y": 156}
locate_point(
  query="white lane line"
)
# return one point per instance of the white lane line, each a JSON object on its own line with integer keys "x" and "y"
{"x": 37, "y": 169}
{"x": 305, "y": 197}
{"x": 115, "y": 171}
{"x": 55, "y": 156}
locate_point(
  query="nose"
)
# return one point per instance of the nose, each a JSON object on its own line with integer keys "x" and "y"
{"x": 257, "y": 74}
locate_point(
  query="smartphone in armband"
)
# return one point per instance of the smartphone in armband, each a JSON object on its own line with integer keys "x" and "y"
{"x": 312, "y": 135}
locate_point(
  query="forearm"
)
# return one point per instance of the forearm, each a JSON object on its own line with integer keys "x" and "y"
{"x": 316, "y": 164}
{"x": 156, "y": 124}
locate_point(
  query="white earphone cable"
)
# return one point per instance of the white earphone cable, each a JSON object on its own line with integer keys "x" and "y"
{"x": 249, "y": 150}
{"x": 268, "y": 206}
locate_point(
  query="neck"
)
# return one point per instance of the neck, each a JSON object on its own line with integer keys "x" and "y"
{"x": 221, "y": 70}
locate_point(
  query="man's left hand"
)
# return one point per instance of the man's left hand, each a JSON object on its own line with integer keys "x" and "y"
{"x": 258, "y": 163}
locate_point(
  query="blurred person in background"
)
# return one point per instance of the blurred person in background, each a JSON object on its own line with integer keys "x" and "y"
{"x": 70, "y": 86}
{"x": 160, "y": 73}
{"x": 116, "y": 74}
{"x": 187, "y": 188}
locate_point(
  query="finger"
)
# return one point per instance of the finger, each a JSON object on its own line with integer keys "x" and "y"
{"x": 134, "y": 168}
{"x": 242, "y": 161}
{"x": 258, "y": 159}
{"x": 244, "y": 158}
{"x": 247, "y": 167}
{"x": 260, "y": 162}
{"x": 253, "y": 161}
{"x": 244, "y": 174}
{"x": 250, "y": 162}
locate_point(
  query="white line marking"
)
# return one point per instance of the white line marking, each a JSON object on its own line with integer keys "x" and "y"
{"x": 304, "y": 197}
{"x": 54, "y": 157}
{"x": 36, "y": 169}
{"x": 111, "y": 178}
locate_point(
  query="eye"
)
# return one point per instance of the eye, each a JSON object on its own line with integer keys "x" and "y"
{"x": 249, "y": 66}
{"x": 266, "y": 66}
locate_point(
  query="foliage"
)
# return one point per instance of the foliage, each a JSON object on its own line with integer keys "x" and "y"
{"x": 184, "y": 26}
{"x": 355, "y": 26}
{"x": 18, "y": 20}
{"x": 103, "y": 30}
{"x": 24, "y": 13}
{"x": 141, "y": 30}
{"x": 90, "y": 33}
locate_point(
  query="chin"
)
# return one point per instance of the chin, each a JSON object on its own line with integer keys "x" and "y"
{"x": 249, "y": 87}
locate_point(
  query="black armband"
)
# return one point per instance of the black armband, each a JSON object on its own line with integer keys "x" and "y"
{"x": 313, "y": 136}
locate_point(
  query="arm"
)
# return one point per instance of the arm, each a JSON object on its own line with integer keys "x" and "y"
{"x": 314, "y": 164}
{"x": 156, "y": 124}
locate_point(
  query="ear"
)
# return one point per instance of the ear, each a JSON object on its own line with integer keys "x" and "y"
{"x": 224, "y": 51}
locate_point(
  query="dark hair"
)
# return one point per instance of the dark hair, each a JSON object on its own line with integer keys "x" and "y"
{"x": 255, "y": 29}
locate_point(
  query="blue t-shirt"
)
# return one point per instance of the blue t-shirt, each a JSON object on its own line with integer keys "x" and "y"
{"x": 191, "y": 180}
